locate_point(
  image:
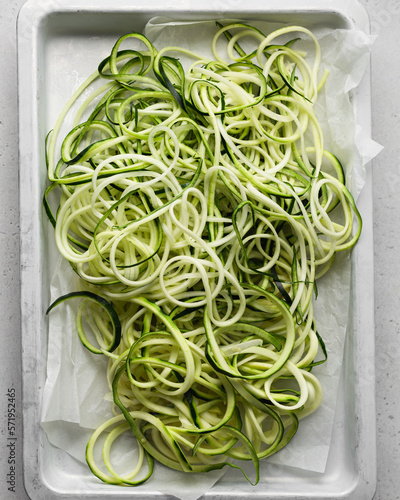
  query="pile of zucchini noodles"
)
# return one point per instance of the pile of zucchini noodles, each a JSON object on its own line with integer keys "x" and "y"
{"x": 198, "y": 207}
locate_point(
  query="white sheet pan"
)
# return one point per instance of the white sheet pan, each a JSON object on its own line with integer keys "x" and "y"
{"x": 49, "y": 473}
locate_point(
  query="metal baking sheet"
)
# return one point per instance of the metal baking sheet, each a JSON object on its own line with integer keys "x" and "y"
{"x": 49, "y": 473}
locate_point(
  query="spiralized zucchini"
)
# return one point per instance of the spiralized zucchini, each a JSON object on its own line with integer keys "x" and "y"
{"x": 198, "y": 207}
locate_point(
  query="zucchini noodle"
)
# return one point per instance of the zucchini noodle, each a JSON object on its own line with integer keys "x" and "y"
{"x": 198, "y": 206}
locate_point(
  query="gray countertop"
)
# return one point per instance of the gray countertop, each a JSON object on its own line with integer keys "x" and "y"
{"x": 385, "y": 19}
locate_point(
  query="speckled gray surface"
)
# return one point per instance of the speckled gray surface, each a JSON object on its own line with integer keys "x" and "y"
{"x": 385, "y": 18}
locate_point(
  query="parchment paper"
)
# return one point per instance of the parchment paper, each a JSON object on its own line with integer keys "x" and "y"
{"x": 74, "y": 402}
